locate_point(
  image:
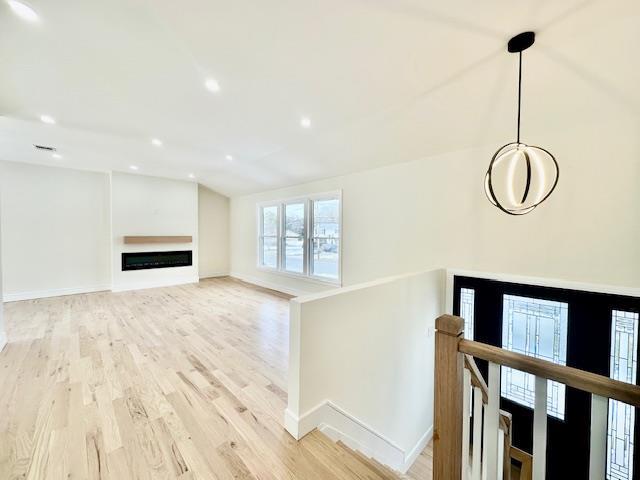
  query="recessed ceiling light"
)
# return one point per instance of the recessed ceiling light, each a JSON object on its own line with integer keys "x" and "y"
{"x": 229, "y": 158}
{"x": 133, "y": 167}
{"x": 157, "y": 142}
{"x": 212, "y": 85}
{"x": 24, "y": 11}
{"x": 191, "y": 175}
{"x": 305, "y": 122}
{"x": 48, "y": 119}
{"x": 57, "y": 156}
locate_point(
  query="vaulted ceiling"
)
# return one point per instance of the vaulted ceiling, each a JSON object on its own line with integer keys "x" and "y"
{"x": 382, "y": 81}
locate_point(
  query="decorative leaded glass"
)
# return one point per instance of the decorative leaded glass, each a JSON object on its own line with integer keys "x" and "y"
{"x": 537, "y": 328}
{"x": 467, "y": 299}
{"x": 624, "y": 365}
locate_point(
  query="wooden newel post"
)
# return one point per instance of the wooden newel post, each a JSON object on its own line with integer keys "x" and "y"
{"x": 449, "y": 365}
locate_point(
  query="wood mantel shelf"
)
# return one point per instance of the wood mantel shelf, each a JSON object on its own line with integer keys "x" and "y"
{"x": 140, "y": 239}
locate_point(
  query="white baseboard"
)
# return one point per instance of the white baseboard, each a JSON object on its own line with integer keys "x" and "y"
{"x": 59, "y": 292}
{"x": 268, "y": 284}
{"x": 206, "y": 275}
{"x": 298, "y": 427}
{"x": 414, "y": 453}
{"x": 125, "y": 287}
{"x": 56, "y": 292}
{"x": 3, "y": 340}
{"x": 339, "y": 425}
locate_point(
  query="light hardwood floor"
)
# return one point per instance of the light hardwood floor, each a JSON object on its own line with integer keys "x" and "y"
{"x": 183, "y": 382}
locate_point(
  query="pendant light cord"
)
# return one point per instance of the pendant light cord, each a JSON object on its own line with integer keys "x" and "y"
{"x": 519, "y": 93}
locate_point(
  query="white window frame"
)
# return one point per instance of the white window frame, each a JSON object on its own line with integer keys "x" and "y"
{"x": 311, "y": 236}
{"x": 261, "y": 236}
{"x": 308, "y": 237}
{"x": 305, "y": 237}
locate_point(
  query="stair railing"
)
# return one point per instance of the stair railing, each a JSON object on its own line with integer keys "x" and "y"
{"x": 473, "y": 381}
{"x": 456, "y": 375}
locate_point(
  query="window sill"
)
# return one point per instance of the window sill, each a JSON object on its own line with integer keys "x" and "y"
{"x": 300, "y": 276}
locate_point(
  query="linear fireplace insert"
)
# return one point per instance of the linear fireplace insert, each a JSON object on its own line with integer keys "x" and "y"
{"x": 148, "y": 260}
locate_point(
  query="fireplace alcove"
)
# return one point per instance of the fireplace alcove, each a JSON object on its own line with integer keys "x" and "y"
{"x": 151, "y": 260}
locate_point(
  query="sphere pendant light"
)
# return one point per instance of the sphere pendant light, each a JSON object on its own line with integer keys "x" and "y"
{"x": 520, "y": 176}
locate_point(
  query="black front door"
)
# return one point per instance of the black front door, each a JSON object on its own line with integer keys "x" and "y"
{"x": 570, "y": 327}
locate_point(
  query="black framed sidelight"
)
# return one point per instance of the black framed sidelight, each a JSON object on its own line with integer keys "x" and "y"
{"x": 588, "y": 318}
{"x": 150, "y": 260}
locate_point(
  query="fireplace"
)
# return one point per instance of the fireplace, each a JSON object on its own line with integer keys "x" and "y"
{"x": 148, "y": 260}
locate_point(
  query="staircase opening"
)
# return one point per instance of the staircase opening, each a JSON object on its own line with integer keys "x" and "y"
{"x": 591, "y": 331}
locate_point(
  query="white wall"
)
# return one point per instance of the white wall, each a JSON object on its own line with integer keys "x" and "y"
{"x": 55, "y": 236}
{"x": 361, "y": 365}
{"x": 144, "y": 205}
{"x": 213, "y": 233}
{"x": 433, "y": 213}
{"x": 3, "y": 328}
{"x": 62, "y": 229}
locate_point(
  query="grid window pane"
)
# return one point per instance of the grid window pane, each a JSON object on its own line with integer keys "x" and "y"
{"x": 467, "y": 302}
{"x": 623, "y": 367}
{"x": 270, "y": 252}
{"x": 325, "y": 257}
{"x": 537, "y": 328}
{"x": 325, "y": 245}
{"x": 294, "y": 232}
{"x": 270, "y": 221}
{"x": 269, "y": 236}
{"x": 326, "y": 218}
{"x": 294, "y": 255}
{"x": 294, "y": 220}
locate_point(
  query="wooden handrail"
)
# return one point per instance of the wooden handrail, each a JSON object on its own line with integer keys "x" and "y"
{"x": 505, "y": 422}
{"x": 447, "y": 446}
{"x": 573, "y": 377}
{"x": 477, "y": 380}
{"x": 453, "y": 354}
{"x": 526, "y": 461}
{"x": 507, "y": 439}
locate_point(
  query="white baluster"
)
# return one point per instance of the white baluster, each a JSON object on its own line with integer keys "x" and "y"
{"x": 598, "y": 449}
{"x": 540, "y": 430}
{"x": 484, "y": 458}
{"x": 491, "y": 422}
{"x": 466, "y": 423}
{"x": 477, "y": 434}
{"x": 500, "y": 455}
